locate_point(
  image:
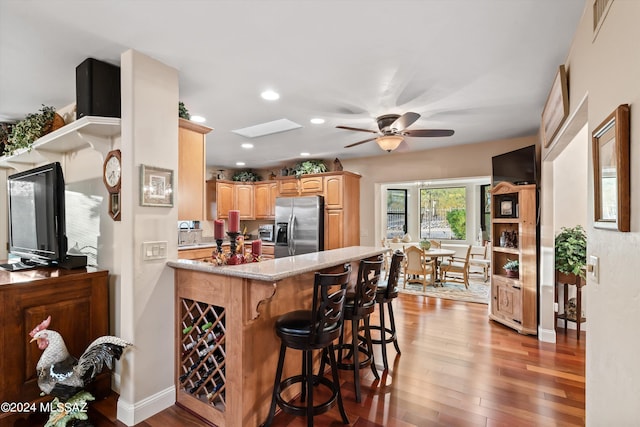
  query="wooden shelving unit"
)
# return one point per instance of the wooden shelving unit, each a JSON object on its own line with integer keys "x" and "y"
{"x": 514, "y": 300}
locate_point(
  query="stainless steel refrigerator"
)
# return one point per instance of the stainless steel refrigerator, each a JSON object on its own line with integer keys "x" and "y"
{"x": 299, "y": 225}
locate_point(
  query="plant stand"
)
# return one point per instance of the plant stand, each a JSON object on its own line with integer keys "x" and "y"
{"x": 567, "y": 280}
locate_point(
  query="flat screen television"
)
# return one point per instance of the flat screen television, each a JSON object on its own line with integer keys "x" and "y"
{"x": 37, "y": 219}
{"x": 517, "y": 167}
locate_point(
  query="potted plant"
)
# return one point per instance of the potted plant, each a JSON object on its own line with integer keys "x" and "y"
{"x": 512, "y": 268}
{"x": 571, "y": 254}
{"x": 5, "y": 133}
{"x": 425, "y": 244}
{"x": 183, "y": 113}
{"x": 246, "y": 176}
{"x": 307, "y": 167}
{"x": 34, "y": 126}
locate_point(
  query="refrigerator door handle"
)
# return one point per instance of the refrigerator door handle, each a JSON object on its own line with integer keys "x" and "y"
{"x": 292, "y": 220}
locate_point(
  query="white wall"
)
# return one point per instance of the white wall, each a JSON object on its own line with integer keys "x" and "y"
{"x": 606, "y": 69}
{"x": 146, "y": 297}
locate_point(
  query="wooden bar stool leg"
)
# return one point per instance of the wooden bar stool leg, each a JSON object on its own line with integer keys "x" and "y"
{"x": 367, "y": 335}
{"x": 392, "y": 320}
{"x": 336, "y": 380}
{"x": 383, "y": 334}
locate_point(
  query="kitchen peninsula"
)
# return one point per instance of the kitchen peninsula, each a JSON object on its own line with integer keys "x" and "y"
{"x": 226, "y": 346}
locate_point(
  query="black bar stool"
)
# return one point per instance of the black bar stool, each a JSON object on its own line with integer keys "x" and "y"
{"x": 307, "y": 331}
{"x": 359, "y": 305}
{"x": 385, "y": 295}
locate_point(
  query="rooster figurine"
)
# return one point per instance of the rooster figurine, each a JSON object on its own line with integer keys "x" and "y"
{"x": 63, "y": 376}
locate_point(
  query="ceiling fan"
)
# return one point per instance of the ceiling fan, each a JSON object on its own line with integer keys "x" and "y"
{"x": 392, "y": 130}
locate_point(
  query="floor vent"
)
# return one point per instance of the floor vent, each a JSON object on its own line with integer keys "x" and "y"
{"x": 600, "y": 9}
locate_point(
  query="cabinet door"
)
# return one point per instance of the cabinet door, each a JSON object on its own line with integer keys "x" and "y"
{"x": 311, "y": 185}
{"x": 263, "y": 201}
{"x": 507, "y": 302}
{"x": 333, "y": 192}
{"x": 224, "y": 198}
{"x": 191, "y": 168}
{"x": 244, "y": 200}
{"x": 210, "y": 200}
{"x": 333, "y": 229}
{"x": 288, "y": 187}
{"x": 273, "y": 193}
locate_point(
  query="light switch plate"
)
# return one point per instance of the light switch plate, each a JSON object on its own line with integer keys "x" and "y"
{"x": 154, "y": 250}
{"x": 594, "y": 268}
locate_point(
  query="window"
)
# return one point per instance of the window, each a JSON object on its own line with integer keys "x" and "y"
{"x": 396, "y": 213}
{"x": 443, "y": 213}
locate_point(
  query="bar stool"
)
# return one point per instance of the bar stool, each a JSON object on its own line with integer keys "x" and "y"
{"x": 385, "y": 295}
{"x": 309, "y": 330}
{"x": 359, "y": 305}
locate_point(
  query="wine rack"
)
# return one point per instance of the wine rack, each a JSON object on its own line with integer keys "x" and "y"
{"x": 203, "y": 354}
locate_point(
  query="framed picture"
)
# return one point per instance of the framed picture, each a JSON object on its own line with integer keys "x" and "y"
{"x": 156, "y": 186}
{"x": 506, "y": 208}
{"x": 611, "y": 172}
{"x": 556, "y": 109}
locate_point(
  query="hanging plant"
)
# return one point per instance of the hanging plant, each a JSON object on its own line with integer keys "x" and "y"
{"x": 5, "y": 133}
{"x": 34, "y": 126}
{"x": 246, "y": 176}
{"x": 308, "y": 167}
{"x": 183, "y": 113}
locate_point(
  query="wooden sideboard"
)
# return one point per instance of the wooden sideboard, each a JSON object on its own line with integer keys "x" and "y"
{"x": 78, "y": 302}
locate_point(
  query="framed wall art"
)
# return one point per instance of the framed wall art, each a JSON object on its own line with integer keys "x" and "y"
{"x": 556, "y": 109}
{"x": 156, "y": 186}
{"x": 611, "y": 172}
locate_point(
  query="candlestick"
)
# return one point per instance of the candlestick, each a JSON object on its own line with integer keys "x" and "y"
{"x": 233, "y": 236}
{"x": 234, "y": 221}
{"x": 219, "y": 245}
{"x": 218, "y": 229}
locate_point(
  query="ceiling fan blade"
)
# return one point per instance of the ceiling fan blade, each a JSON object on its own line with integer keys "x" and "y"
{"x": 404, "y": 121}
{"x": 359, "y": 142}
{"x": 357, "y": 129}
{"x": 428, "y": 132}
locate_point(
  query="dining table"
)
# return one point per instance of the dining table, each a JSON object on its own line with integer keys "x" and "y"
{"x": 432, "y": 253}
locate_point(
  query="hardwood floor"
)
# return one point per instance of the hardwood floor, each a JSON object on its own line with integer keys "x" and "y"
{"x": 457, "y": 368}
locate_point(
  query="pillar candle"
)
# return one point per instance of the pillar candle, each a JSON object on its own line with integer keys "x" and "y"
{"x": 256, "y": 247}
{"x": 234, "y": 221}
{"x": 218, "y": 229}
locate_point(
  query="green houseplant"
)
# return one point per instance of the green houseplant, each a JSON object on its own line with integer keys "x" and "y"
{"x": 34, "y": 126}
{"x": 571, "y": 251}
{"x": 512, "y": 267}
{"x": 246, "y": 176}
{"x": 307, "y": 167}
{"x": 183, "y": 113}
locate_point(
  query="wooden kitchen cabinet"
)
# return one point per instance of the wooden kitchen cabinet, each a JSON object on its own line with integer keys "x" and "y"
{"x": 191, "y": 170}
{"x": 265, "y": 200}
{"x": 311, "y": 185}
{"x": 238, "y": 196}
{"x": 196, "y": 254}
{"x": 342, "y": 210}
{"x": 288, "y": 187}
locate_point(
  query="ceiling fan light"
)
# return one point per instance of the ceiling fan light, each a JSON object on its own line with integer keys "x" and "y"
{"x": 389, "y": 142}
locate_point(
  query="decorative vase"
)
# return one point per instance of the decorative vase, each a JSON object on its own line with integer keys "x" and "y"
{"x": 512, "y": 273}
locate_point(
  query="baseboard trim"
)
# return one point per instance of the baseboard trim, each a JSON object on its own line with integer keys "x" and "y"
{"x": 546, "y": 335}
{"x": 132, "y": 414}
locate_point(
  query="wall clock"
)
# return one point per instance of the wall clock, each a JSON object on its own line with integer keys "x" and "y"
{"x": 112, "y": 175}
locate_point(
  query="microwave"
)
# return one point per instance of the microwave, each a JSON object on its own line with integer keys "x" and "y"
{"x": 265, "y": 232}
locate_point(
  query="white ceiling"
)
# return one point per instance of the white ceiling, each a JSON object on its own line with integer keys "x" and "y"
{"x": 481, "y": 67}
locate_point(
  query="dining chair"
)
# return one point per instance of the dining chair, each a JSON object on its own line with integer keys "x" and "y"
{"x": 417, "y": 266}
{"x": 457, "y": 263}
{"x": 479, "y": 260}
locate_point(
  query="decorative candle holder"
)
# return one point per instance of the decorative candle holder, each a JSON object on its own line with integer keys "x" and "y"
{"x": 219, "y": 245}
{"x": 233, "y": 238}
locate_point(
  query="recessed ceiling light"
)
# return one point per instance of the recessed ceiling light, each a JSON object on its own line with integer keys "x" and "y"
{"x": 305, "y": 154}
{"x": 317, "y": 121}
{"x": 247, "y": 145}
{"x": 198, "y": 119}
{"x": 240, "y": 163}
{"x": 270, "y": 95}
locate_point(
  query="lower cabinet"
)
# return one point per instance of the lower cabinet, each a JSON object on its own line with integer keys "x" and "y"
{"x": 78, "y": 303}
{"x": 507, "y": 300}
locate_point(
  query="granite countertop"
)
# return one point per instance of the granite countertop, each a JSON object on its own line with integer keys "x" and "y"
{"x": 281, "y": 268}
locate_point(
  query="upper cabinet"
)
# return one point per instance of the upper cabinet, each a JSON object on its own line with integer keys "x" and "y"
{"x": 191, "y": 171}
{"x": 232, "y": 195}
{"x": 265, "y": 199}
